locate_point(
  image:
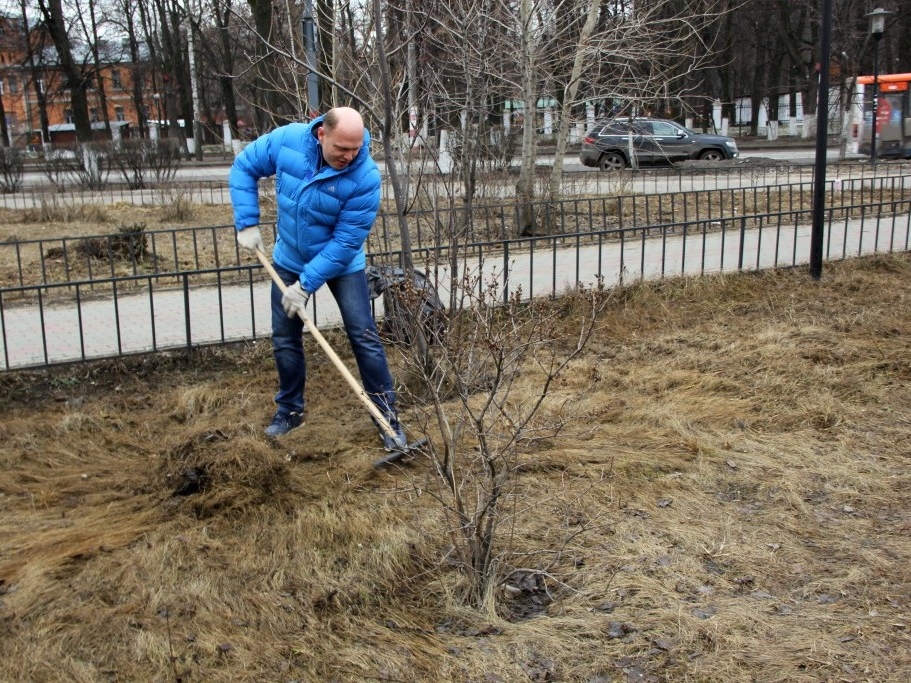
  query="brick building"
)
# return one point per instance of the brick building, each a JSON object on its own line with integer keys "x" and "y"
{"x": 26, "y": 91}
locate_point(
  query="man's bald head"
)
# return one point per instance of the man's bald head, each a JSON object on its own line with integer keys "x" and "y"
{"x": 341, "y": 136}
{"x": 343, "y": 118}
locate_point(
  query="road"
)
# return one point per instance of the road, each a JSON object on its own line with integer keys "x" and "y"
{"x": 216, "y": 169}
{"x": 571, "y": 164}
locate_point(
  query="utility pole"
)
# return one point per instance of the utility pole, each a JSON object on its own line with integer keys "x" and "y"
{"x": 822, "y": 138}
{"x": 309, "y": 29}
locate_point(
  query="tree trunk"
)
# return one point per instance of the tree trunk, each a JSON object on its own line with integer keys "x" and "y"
{"x": 525, "y": 187}
{"x": 570, "y": 97}
{"x": 76, "y": 81}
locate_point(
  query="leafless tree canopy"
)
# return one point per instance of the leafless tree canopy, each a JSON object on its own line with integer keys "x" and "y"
{"x": 453, "y": 61}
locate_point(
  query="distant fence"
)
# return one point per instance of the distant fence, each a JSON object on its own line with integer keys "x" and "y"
{"x": 497, "y": 187}
{"x": 114, "y": 313}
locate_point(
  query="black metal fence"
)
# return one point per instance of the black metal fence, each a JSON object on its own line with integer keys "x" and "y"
{"x": 192, "y": 287}
{"x": 164, "y": 256}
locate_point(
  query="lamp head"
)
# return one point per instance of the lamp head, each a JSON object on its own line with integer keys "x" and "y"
{"x": 878, "y": 21}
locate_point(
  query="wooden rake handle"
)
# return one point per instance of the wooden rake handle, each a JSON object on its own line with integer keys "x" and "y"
{"x": 333, "y": 356}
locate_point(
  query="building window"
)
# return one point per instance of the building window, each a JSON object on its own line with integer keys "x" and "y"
{"x": 68, "y": 116}
{"x": 95, "y": 115}
{"x": 1, "y": 89}
{"x": 41, "y": 85}
{"x": 119, "y": 115}
{"x": 13, "y": 85}
{"x": 115, "y": 79}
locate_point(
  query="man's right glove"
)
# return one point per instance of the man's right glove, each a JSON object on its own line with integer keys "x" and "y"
{"x": 295, "y": 299}
{"x": 251, "y": 238}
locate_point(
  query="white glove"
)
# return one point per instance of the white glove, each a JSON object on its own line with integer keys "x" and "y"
{"x": 251, "y": 238}
{"x": 295, "y": 299}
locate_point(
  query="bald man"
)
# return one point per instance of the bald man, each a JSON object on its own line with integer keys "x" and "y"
{"x": 328, "y": 193}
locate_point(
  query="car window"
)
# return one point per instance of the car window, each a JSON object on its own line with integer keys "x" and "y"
{"x": 643, "y": 127}
{"x": 613, "y": 128}
{"x": 665, "y": 129}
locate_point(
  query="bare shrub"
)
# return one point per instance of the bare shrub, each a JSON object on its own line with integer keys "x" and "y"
{"x": 163, "y": 158}
{"x": 131, "y": 160}
{"x": 12, "y": 168}
{"x": 58, "y": 166}
{"x": 86, "y": 164}
{"x": 175, "y": 205}
{"x": 490, "y": 148}
{"x": 489, "y": 391}
{"x": 51, "y": 208}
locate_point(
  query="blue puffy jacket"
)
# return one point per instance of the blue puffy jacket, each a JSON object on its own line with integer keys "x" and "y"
{"x": 324, "y": 215}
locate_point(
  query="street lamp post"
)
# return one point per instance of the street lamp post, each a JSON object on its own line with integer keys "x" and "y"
{"x": 877, "y": 26}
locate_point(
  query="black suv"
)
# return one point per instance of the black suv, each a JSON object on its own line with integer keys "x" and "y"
{"x": 655, "y": 141}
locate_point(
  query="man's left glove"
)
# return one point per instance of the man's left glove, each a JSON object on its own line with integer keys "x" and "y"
{"x": 251, "y": 238}
{"x": 295, "y": 299}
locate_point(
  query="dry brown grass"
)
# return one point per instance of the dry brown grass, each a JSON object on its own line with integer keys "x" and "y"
{"x": 741, "y": 473}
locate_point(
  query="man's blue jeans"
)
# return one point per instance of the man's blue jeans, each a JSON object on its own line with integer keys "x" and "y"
{"x": 350, "y": 292}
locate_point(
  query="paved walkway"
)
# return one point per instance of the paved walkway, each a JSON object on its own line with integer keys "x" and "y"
{"x": 176, "y": 318}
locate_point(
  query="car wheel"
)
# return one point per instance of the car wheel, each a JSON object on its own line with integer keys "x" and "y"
{"x": 711, "y": 155}
{"x": 612, "y": 161}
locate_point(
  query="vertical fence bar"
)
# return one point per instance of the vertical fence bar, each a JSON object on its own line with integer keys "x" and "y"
{"x": 705, "y": 230}
{"x": 743, "y": 236}
{"x": 174, "y": 247}
{"x": 505, "y": 273}
{"x": 622, "y": 256}
{"x": 80, "y": 322}
{"x": 642, "y": 243}
{"x": 844, "y": 237}
{"x": 907, "y": 223}
{"x": 186, "y": 310}
{"x": 252, "y": 301}
{"x": 19, "y": 268}
{"x": 221, "y": 307}
{"x": 759, "y": 242}
{"x": 116, "y": 303}
{"x": 684, "y": 235}
{"x": 3, "y": 332}
{"x": 152, "y": 316}
{"x": 553, "y": 268}
{"x": 724, "y": 234}
{"x": 43, "y": 327}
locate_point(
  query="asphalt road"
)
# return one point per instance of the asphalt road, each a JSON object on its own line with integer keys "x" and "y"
{"x": 216, "y": 169}
{"x": 571, "y": 164}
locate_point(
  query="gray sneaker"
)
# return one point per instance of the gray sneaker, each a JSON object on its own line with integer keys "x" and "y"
{"x": 397, "y": 442}
{"x": 282, "y": 423}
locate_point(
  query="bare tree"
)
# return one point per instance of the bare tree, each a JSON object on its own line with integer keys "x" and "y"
{"x": 32, "y": 42}
{"x": 77, "y": 78}
{"x": 127, "y": 22}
